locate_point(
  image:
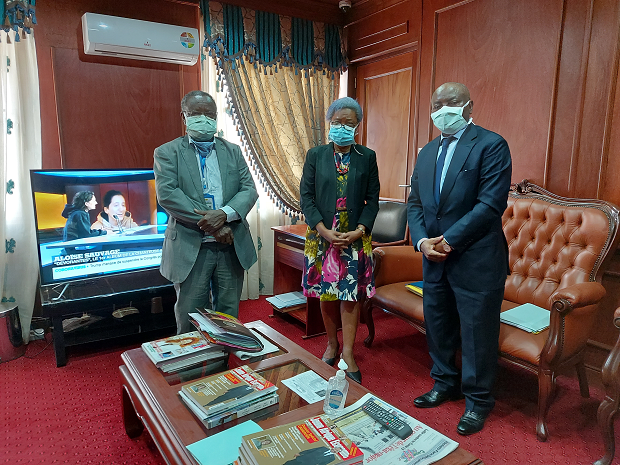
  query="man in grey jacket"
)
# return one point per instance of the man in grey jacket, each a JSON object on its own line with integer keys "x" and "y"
{"x": 205, "y": 186}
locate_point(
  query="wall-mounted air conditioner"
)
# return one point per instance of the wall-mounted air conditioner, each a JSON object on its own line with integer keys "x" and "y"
{"x": 139, "y": 40}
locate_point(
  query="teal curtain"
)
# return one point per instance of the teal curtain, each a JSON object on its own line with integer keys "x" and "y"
{"x": 302, "y": 41}
{"x": 233, "y": 25}
{"x": 268, "y": 37}
{"x": 271, "y": 41}
{"x": 206, "y": 21}
{"x": 333, "y": 54}
{"x": 17, "y": 15}
{"x": 282, "y": 73}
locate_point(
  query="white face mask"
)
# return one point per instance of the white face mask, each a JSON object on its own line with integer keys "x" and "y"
{"x": 449, "y": 120}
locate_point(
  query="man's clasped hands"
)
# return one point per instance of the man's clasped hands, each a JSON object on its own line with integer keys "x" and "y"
{"x": 213, "y": 222}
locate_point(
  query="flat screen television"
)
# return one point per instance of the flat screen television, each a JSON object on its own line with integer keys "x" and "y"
{"x": 67, "y": 254}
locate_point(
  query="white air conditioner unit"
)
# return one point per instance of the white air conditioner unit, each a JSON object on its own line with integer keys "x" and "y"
{"x": 139, "y": 40}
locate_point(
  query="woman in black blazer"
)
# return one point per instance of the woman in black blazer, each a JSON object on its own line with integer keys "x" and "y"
{"x": 78, "y": 219}
{"x": 340, "y": 200}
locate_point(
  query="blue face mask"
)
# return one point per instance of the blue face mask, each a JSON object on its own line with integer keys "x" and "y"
{"x": 342, "y": 135}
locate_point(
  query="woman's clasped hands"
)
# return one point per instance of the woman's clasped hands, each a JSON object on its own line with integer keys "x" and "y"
{"x": 340, "y": 240}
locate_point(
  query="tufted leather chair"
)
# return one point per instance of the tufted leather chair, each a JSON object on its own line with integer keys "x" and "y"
{"x": 390, "y": 225}
{"x": 558, "y": 248}
{"x": 611, "y": 404}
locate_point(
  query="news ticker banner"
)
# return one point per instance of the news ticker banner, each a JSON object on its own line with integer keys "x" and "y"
{"x": 104, "y": 261}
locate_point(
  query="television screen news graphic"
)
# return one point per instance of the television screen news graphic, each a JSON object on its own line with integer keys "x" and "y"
{"x": 73, "y": 208}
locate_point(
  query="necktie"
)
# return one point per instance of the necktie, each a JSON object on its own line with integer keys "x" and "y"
{"x": 204, "y": 150}
{"x": 439, "y": 167}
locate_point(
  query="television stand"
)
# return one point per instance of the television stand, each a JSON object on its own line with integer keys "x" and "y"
{"x": 100, "y": 296}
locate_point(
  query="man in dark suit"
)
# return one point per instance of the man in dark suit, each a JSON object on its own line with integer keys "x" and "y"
{"x": 459, "y": 191}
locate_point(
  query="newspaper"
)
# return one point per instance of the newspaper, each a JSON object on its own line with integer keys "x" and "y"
{"x": 381, "y": 446}
{"x": 308, "y": 385}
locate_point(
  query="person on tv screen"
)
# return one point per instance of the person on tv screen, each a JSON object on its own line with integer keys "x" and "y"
{"x": 78, "y": 220}
{"x": 114, "y": 216}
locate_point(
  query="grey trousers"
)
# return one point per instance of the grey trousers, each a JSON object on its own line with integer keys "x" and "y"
{"x": 217, "y": 269}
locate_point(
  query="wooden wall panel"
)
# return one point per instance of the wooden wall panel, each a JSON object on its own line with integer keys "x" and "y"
{"x": 599, "y": 79}
{"x": 386, "y": 26}
{"x": 387, "y": 120}
{"x": 610, "y": 150}
{"x": 505, "y": 68}
{"x": 114, "y": 115}
{"x": 610, "y": 189}
{"x": 569, "y": 87}
{"x": 105, "y": 112}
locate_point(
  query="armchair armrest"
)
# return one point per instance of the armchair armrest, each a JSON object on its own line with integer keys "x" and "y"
{"x": 573, "y": 314}
{"x": 578, "y": 295}
{"x": 397, "y": 264}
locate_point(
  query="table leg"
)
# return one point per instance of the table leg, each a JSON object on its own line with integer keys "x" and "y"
{"x": 133, "y": 424}
{"x": 59, "y": 342}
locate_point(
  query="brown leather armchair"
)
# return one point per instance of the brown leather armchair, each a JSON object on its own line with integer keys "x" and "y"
{"x": 558, "y": 248}
{"x": 611, "y": 404}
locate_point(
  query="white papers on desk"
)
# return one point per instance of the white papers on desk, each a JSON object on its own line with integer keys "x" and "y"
{"x": 308, "y": 385}
{"x": 289, "y": 299}
{"x": 527, "y": 317}
{"x": 268, "y": 348}
{"x": 423, "y": 447}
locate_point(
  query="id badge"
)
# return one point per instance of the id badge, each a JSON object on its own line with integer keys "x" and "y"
{"x": 210, "y": 201}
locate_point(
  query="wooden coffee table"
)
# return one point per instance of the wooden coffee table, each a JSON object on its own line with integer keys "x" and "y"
{"x": 150, "y": 400}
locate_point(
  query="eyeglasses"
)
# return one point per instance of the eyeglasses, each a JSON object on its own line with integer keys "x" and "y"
{"x": 212, "y": 115}
{"x": 337, "y": 125}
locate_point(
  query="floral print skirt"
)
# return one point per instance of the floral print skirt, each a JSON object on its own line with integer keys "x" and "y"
{"x": 338, "y": 274}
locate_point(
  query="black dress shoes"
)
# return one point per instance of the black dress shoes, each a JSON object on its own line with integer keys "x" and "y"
{"x": 470, "y": 423}
{"x": 355, "y": 376}
{"x": 434, "y": 398}
{"x": 331, "y": 361}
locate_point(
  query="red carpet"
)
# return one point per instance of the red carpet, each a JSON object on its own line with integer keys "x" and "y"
{"x": 72, "y": 415}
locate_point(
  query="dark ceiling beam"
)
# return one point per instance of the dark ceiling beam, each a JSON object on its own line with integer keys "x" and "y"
{"x": 305, "y": 9}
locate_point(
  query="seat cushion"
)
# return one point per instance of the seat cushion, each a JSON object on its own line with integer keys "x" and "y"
{"x": 515, "y": 342}
{"x": 395, "y": 298}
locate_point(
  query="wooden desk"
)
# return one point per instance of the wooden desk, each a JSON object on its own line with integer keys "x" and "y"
{"x": 148, "y": 400}
{"x": 288, "y": 263}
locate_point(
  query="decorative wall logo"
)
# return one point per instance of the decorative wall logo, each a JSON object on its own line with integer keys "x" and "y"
{"x": 187, "y": 39}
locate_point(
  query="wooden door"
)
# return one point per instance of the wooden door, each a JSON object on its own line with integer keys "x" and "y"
{"x": 386, "y": 91}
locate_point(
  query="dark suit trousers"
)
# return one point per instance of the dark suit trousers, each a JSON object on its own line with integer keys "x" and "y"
{"x": 455, "y": 317}
{"x": 217, "y": 269}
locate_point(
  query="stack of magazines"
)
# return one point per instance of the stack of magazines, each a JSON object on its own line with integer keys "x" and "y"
{"x": 315, "y": 440}
{"x": 226, "y": 330}
{"x": 175, "y": 353}
{"x": 226, "y": 396}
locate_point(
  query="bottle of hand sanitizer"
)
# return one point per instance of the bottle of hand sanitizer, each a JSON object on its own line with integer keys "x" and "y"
{"x": 337, "y": 388}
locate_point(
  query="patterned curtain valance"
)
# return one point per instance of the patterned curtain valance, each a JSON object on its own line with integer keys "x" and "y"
{"x": 270, "y": 41}
{"x": 16, "y": 15}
